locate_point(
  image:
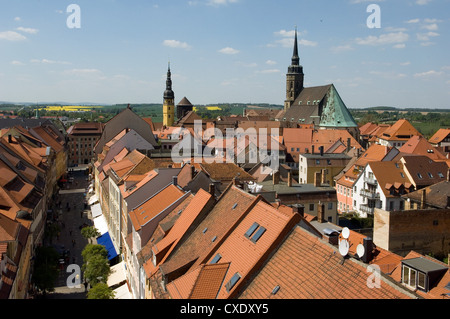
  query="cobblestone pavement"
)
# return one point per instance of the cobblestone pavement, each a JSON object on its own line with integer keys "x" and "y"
{"x": 72, "y": 213}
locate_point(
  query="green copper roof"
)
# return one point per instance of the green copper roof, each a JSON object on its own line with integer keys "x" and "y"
{"x": 335, "y": 113}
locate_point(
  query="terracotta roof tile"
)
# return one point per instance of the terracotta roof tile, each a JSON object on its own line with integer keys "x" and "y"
{"x": 307, "y": 267}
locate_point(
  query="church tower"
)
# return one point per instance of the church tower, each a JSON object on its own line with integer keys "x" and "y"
{"x": 294, "y": 77}
{"x": 169, "y": 102}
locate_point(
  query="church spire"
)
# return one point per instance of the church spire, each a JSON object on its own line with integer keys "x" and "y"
{"x": 295, "y": 57}
{"x": 168, "y": 93}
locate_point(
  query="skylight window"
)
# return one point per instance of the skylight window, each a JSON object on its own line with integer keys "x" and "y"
{"x": 419, "y": 175}
{"x": 261, "y": 230}
{"x": 430, "y": 175}
{"x": 251, "y": 230}
{"x": 234, "y": 206}
{"x": 216, "y": 259}
{"x": 440, "y": 175}
{"x": 233, "y": 281}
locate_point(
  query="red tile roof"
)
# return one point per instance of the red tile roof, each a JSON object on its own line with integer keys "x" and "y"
{"x": 439, "y": 136}
{"x": 155, "y": 205}
{"x": 305, "y": 267}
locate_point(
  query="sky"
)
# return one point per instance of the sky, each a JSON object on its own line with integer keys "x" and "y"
{"x": 224, "y": 51}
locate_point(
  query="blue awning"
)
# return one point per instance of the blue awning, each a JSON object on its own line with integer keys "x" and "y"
{"x": 106, "y": 241}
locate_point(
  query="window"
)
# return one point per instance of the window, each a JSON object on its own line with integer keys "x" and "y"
{"x": 430, "y": 175}
{"x": 419, "y": 175}
{"x": 330, "y": 206}
{"x": 402, "y": 175}
{"x": 216, "y": 259}
{"x": 421, "y": 280}
{"x": 440, "y": 175}
{"x": 318, "y": 162}
{"x": 311, "y": 207}
{"x": 233, "y": 281}
{"x": 261, "y": 230}
{"x": 251, "y": 230}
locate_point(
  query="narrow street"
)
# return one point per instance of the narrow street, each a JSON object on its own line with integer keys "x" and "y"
{"x": 72, "y": 213}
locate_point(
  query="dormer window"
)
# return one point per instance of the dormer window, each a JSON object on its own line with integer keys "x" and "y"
{"x": 421, "y": 273}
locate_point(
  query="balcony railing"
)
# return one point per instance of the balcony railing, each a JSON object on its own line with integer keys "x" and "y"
{"x": 370, "y": 180}
{"x": 369, "y": 194}
{"x": 366, "y": 209}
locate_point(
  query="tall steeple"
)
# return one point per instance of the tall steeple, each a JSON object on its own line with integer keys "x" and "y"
{"x": 294, "y": 77}
{"x": 169, "y": 101}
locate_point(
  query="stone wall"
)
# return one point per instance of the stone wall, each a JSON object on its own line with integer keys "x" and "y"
{"x": 424, "y": 231}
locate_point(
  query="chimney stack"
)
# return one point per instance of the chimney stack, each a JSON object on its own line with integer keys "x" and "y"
{"x": 321, "y": 150}
{"x": 448, "y": 175}
{"x": 312, "y": 149}
{"x": 212, "y": 189}
{"x": 368, "y": 247}
{"x": 317, "y": 179}
{"x": 9, "y": 138}
{"x": 423, "y": 199}
{"x": 276, "y": 177}
{"x": 289, "y": 177}
{"x": 300, "y": 209}
{"x": 175, "y": 180}
{"x": 192, "y": 171}
{"x": 349, "y": 140}
{"x": 321, "y": 213}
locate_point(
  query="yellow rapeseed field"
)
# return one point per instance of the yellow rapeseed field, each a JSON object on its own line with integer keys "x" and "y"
{"x": 71, "y": 108}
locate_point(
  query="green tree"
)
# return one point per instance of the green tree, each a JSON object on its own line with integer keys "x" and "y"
{"x": 97, "y": 269}
{"x": 101, "y": 291}
{"x": 45, "y": 269}
{"x": 89, "y": 233}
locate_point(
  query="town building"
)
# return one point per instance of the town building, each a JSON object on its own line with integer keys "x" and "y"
{"x": 82, "y": 138}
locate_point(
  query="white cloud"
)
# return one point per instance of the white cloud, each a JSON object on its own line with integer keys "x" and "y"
{"x": 431, "y": 27}
{"x": 405, "y": 63}
{"x": 285, "y": 34}
{"x": 17, "y": 63}
{"x": 307, "y": 43}
{"x": 428, "y": 74}
{"x": 220, "y": 2}
{"x": 270, "y": 62}
{"x": 17, "y": 19}
{"x": 28, "y": 30}
{"x": 423, "y": 2}
{"x": 413, "y": 21}
{"x": 176, "y": 44}
{"x": 426, "y": 36}
{"x": 341, "y": 48}
{"x": 399, "y": 46}
{"x": 12, "y": 36}
{"x": 229, "y": 50}
{"x": 47, "y": 61}
{"x": 84, "y": 72}
{"x": 388, "y": 38}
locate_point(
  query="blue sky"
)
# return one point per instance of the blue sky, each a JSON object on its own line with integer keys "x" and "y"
{"x": 224, "y": 50}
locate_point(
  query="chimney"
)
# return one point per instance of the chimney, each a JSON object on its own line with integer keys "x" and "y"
{"x": 448, "y": 175}
{"x": 349, "y": 140}
{"x": 289, "y": 177}
{"x": 448, "y": 201}
{"x": 324, "y": 176}
{"x": 317, "y": 179}
{"x": 321, "y": 213}
{"x": 300, "y": 209}
{"x": 175, "y": 180}
{"x": 423, "y": 198}
{"x": 212, "y": 189}
{"x": 368, "y": 247}
{"x": 276, "y": 177}
{"x": 312, "y": 149}
{"x": 192, "y": 171}
{"x": 321, "y": 150}
{"x": 9, "y": 138}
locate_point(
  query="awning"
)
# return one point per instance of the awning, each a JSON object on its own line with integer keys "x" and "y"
{"x": 100, "y": 224}
{"x": 106, "y": 241}
{"x": 123, "y": 292}
{"x": 118, "y": 275}
{"x": 96, "y": 210}
{"x": 93, "y": 200}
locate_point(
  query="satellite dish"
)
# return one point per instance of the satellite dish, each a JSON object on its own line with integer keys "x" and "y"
{"x": 343, "y": 247}
{"x": 360, "y": 250}
{"x": 345, "y": 233}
